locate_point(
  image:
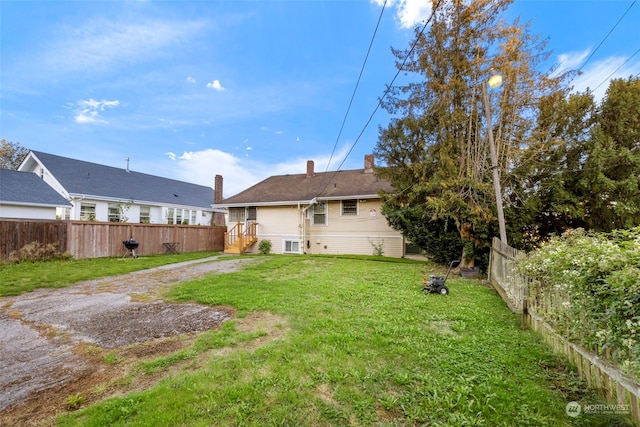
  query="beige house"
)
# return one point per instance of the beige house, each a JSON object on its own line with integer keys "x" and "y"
{"x": 315, "y": 213}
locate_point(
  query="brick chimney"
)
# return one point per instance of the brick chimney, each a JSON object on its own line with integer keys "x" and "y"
{"x": 217, "y": 190}
{"x": 310, "y": 168}
{"x": 368, "y": 163}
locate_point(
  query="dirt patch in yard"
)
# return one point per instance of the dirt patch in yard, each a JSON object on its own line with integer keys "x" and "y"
{"x": 63, "y": 349}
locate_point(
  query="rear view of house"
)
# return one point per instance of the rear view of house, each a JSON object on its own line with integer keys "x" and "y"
{"x": 316, "y": 213}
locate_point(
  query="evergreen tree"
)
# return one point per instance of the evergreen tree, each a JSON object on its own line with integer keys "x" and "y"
{"x": 611, "y": 176}
{"x": 435, "y": 149}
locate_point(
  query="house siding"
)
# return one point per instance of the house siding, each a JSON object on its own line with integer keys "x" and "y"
{"x": 27, "y": 212}
{"x": 343, "y": 234}
{"x": 355, "y": 234}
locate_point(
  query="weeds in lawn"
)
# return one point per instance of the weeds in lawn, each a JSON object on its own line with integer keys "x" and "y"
{"x": 365, "y": 347}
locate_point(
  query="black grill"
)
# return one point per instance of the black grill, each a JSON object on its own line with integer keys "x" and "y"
{"x": 131, "y": 245}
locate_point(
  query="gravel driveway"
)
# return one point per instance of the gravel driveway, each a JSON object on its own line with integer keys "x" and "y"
{"x": 40, "y": 331}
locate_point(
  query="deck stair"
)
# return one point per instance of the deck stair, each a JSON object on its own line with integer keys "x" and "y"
{"x": 240, "y": 238}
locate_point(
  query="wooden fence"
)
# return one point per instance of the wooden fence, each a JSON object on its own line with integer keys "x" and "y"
{"x": 88, "y": 239}
{"x": 526, "y": 297}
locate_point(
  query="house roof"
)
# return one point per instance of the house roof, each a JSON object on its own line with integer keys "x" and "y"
{"x": 94, "y": 180}
{"x": 25, "y": 188}
{"x": 284, "y": 189}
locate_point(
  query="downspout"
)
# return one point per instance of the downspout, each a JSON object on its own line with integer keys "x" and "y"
{"x": 302, "y": 222}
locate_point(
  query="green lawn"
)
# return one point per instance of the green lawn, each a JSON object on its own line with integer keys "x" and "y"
{"x": 16, "y": 279}
{"x": 364, "y": 347}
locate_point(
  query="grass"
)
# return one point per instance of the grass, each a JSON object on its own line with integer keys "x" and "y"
{"x": 365, "y": 347}
{"x": 16, "y": 279}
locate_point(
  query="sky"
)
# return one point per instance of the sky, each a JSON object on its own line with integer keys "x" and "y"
{"x": 244, "y": 89}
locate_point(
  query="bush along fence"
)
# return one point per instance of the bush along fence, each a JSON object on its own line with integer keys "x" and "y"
{"x": 581, "y": 293}
{"x": 89, "y": 239}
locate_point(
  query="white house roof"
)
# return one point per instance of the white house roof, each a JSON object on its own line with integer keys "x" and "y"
{"x": 93, "y": 180}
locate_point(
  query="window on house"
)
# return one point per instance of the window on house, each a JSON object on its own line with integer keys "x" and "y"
{"x": 350, "y": 207}
{"x": 252, "y": 213}
{"x": 236, "y": 214}
{"x": 114, "y": 213}
{"x": 145, "y": 214}
{"x": 291, "y": 246}
{"x": 87, "y": 212}
{"x": 178, "y": 216}
{"x": 170, "y": 216}
{"x": 193, "y": 218}
{"x": 63, "y": 213}
{"x": 320, "y": 213}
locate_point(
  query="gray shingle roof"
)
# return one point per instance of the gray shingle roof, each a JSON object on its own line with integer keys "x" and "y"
{"x": 92, "y": 179}
{"x": 26, "y": 188}
{"x": 299, "y": 187}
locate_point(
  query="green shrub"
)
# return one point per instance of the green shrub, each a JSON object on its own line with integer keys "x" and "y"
{"x": 599, "y": 276}
{"x": 265, "y": 246}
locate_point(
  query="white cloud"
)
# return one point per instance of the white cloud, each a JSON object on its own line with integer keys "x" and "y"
{"x": 88, "y": 111}
{"x": 409, "y": 13}
{"x": 171, "y": 155}
{"x": 191, "y": 79}
{"x": 101, "y": 44}
{"x": 571, "y": 61}
{"x": 240, "y": 173}
{"x": 215, "y": 85}
{"x": 596, "y": 74}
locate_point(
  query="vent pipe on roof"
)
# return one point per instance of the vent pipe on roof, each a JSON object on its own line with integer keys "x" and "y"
{"x": 127, "y": 159}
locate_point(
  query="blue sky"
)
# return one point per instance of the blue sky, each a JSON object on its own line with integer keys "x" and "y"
{"x": 245, "y": 89}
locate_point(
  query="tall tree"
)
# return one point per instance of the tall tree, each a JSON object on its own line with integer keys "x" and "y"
{"x": 435, "y": 149}
{"x": 11, "y": 154}
{"x": 548, "y": 199}
{"x": 611, "y": 176}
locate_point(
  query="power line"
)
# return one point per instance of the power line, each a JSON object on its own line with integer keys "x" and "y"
{"x": 384, "y": 95}
{"x": 617, "y": 69}
{"x": 353, "y": 95}
{"x": 607, "y": 36}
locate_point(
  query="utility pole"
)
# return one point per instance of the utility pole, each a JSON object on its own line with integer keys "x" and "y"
{"x": 494, "y": 163}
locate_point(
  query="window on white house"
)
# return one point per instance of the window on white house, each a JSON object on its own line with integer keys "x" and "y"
{"x": 350, "y": 207}
{"x": 291, "y": 246}
{"x": 170, "y": 215}
{"x": 114, "y": 213}
{"x": 319, "y": 213}
{"x": 87, "y": 212}
{"x": 63, "y": 213}
{"x": 236, "y": 214}
{"x": 145, "y": 214}
{"x": 193, "y": 218}
{"x": 178, "y": 216}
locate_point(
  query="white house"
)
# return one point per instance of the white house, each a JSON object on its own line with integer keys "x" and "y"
{"x": 335, "y": 212}
{"x": 104, "y": 193}
{"x": 25, "y": 196}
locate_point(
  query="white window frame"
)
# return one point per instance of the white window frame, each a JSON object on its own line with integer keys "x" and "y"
{"x": 237, "y": 215}
{"x": 193, "y": 219}
{"x": 315, "y": 210}
{"x": 113, "y": 213}
{"x": 87, "y": 211}
{"x": 357, "y": 207}
{"x": 145, "y": 215}
{"x": 291, "y": 242}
